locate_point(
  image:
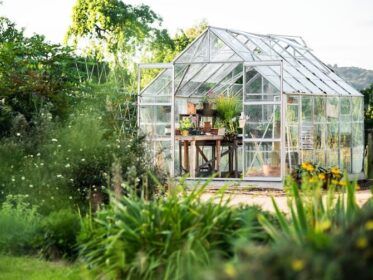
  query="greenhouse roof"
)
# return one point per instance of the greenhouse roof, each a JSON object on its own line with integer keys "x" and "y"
{"x": 216, "y": 57}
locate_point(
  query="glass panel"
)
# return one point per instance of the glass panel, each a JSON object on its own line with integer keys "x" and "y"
{"x": 292, "y": 136}
{"x": 357, "y": 109}
{"x": 162, "y": 155}
{"x": 197, "y": 52}
{"x": 258, "y": 88}
{"x": 332, "y": 111}
{"x": 345, "y": 115}
{"x": 333, "y": 136}
{"x": 357, "y": 147}
{"x": 292, "y": 109}
{"x": 332, "y": 157}
{"x": 319, "y": 108}
{"x": 262, "y": 159}
{"x": 307, "y": 155}
{"x": 319, "y": 157}
{"x": 319, "y": 136}
{"x": 263, "y": 121}
{"x": 307, "y": 105}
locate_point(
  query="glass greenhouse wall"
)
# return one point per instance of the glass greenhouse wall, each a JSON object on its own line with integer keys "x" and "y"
{"x": 293, "y": 109}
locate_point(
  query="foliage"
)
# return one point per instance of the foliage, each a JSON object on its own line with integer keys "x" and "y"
{"x": 113, "y": 26}
{"x": 229, "y": 108}
{"x": 323, "y": 239}
{"x": 19, "y": 222}
{"x": 318, "y": 174}
{"x": 34, "y": 75}
{"x": 14, "y": 268}
{"x": 58, "y": 235}
{"x": 185, "y": 124}
{"x": 164, "y": 238}
{"x": 311, "y": 215}
{"x": 70, "y": 163}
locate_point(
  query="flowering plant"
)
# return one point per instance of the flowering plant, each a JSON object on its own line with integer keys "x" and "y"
{"x": 316, "y": 173}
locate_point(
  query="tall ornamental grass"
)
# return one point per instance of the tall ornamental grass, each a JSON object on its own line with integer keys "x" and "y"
{"x": 166, "y": 238}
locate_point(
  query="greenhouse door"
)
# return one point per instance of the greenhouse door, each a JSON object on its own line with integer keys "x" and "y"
{"x": 263, "y": 137}
{"x": 156, "y": 112}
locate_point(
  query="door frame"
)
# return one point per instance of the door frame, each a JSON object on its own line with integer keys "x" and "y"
{"x": 278, "y": 63}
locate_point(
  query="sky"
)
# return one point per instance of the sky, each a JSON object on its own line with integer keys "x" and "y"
{"x": 338, "y": 31}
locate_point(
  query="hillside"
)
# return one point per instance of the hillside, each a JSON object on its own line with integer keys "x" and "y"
{"x": 358, "y": 77}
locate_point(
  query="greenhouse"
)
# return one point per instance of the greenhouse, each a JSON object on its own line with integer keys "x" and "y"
{"x": 246, "y": 106}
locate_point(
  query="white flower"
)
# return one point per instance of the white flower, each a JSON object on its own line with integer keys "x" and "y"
{"x": 23, "y": 178}
{"x": 42, "y": 163}
{"x": 70, "y": 197}
{"x": 31, "y": 186}
{"x": 13, "y": 180}
{"x": 83, "y": 159}
{"x": 18, "y": 134}
{"x": 59, "y": 146}
{"x": 59, "y": 176}
{"x": 67, "y": 165}
{"x": 54, "y": 140}
{"x": 38, "y": 154}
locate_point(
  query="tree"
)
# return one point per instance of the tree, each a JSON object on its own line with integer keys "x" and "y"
{"x": 112, "y": 27}
{"x": 34, "y": 74}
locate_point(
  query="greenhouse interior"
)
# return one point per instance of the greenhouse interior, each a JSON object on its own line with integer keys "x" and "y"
{"x": 244, "y": 106}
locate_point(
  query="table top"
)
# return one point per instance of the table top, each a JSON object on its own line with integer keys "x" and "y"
{"x": 198, "y": 137}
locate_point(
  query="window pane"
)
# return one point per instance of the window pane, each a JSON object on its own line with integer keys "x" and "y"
{"x": 262, "y": 159}
{"x": 263, "y": 121}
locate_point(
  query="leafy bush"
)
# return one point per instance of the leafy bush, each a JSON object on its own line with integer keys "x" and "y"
{"x": 164, "y": 238}
{"x": 324, "y": 239}
{"x": 58, "y": 235}
{"x": 19, "y": 224}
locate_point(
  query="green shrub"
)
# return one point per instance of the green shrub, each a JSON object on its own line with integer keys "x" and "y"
{"x": 19, "y": 224}
{"x": 163, "y": 238}
{"x": 58, "y": 235}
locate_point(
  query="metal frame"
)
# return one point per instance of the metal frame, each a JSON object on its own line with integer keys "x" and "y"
{"x": 273, "y": 63}
{"x": 244, "y": 46}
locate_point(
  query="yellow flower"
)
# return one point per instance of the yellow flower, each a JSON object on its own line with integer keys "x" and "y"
{"x": 297, "y": 265}
{"x": 335, "y": 171}
{"x": 369, "y": 225}
{"x": 230, "y": 270}
{"x": 334, "y": 182}
{"x": 342, "y": 183}
{"x": 362, "y": 243}
{"x": 322, "y": 176}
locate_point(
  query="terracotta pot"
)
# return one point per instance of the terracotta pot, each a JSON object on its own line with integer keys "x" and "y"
{"x": 185, "y": 132}
{"x": 266, "y": 169}
{"x": 192, "y": 108}
{"x": 207, "y": 126}
{"x": 214, "y": 131}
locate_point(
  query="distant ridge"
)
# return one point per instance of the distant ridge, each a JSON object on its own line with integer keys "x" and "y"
{"x": 359, "y": 78}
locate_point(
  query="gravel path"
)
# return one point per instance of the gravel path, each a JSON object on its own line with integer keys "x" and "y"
{"x": 263, "y": 198}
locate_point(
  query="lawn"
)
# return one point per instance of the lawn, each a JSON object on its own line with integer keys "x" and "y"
{"x": 31, "y": 268}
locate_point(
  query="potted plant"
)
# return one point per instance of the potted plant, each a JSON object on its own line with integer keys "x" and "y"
{"x": 207, "y": 102}
{"x": 228, "y": 109}
{"x": 220, "y": 126}
{"x": 185, "y": 125}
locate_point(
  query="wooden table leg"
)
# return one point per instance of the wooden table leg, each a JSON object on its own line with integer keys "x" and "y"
{"x": 180, "y": 159}
{"x": 218, "y": 157}
{"x": 192, "y": 169}
{"x": 186, "y": 155}
{"x": 235, "y": 146}
{"x": 230, "y": 158}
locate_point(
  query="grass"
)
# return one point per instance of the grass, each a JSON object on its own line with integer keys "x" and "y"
{"x": 31, "y": 268}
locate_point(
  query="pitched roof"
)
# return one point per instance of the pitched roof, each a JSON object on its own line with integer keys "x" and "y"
{"x": 302, "y": 71}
